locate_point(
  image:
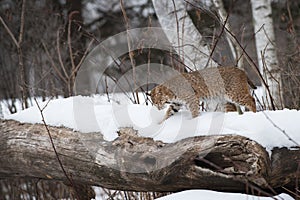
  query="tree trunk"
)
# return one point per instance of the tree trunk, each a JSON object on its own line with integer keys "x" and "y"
{"x": 229, "y": 163}
{"x": 1, "y": 111}
{"x": 266, "y": 51}
{"x": 234, "y": 47}
{"x": 182, "y": 34}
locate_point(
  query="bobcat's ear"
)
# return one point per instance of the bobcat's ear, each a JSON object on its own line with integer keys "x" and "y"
{"x": 147, "y": 93}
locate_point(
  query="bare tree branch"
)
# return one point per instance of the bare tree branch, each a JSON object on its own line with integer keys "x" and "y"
{"x": 83, "y": 57}
{"x": 69, "y": 40}
{"x": 62, "y": 65}
{"x": 22, "y": 23}
{"x": 23, "y": 84}
{"x": 235, "y": 50}
{"x": 53, "y": 63}
{"x": 9, "y": 32}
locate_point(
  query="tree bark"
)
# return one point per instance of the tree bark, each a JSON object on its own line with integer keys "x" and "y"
{"x": 266, "y": 51}
{"x": 182, "y": 34}
{"x": 229, "y": 163}
{"x": 234, "y": 47}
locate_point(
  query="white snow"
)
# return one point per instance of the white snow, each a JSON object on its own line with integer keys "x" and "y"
{"x": 212, "y": 195}
{"x": 94, "y": 114}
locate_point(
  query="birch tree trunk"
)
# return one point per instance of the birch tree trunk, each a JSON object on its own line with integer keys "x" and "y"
{"x": 266, "y": 52}
{"x": 182, "y": 33}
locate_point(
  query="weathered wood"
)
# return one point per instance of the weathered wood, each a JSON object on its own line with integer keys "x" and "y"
{"x": 218, "y": 162}
{"x": 285, "y": 169}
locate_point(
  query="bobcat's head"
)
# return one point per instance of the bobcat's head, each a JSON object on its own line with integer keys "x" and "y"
{"x": 160, "y": 95}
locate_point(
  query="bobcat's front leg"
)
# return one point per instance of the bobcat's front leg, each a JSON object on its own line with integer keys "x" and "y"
{"x": 194, "y": 107}
{"x": 173, "y": 108}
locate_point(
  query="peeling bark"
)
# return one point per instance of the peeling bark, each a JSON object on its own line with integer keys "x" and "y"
{"x": 229, "y": 163}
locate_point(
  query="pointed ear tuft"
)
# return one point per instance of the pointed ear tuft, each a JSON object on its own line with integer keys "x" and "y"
{"x": 147, "y": 93}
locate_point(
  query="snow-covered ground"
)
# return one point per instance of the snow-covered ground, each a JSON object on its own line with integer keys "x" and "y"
{"x": 96, "y": 114}
{"x": 212, "y": 195}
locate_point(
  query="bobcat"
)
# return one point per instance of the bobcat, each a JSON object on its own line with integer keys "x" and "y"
{"x": 225, "y": 84}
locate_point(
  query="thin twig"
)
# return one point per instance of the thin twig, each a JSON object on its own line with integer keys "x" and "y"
{"x": 177, "y": 28}
{"x": 217, "y": 40}
{"x": 293, "y": 30}
{"x": 83, "y": 57}
{"x": 59, "y": 56}
{"x": 9, "y": 32}
{"x": 291, "y": 192}
{"x": 118, "y": 84}
{"x": 52, "y": 63}
{"x": 280, "y": 129}
{"x": 148, "y": 74}
{"x": 266, "y": 70}
{"x": 20, "y": 58}
{"x": 53, "y": 145}
{"x": 201, "y": 52}
{"x": 69, "y": 40}
{"x": 135, "y": 93}
{"x": 22, "y": 23}
{"x": 106, "y": 89}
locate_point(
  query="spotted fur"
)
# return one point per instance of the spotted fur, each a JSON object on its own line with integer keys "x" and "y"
{"x": 229, "y": 85}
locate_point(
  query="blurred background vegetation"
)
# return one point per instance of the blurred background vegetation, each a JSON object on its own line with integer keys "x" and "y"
{"x": 47, "y": 65}
{"x": 43, "y": 59}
